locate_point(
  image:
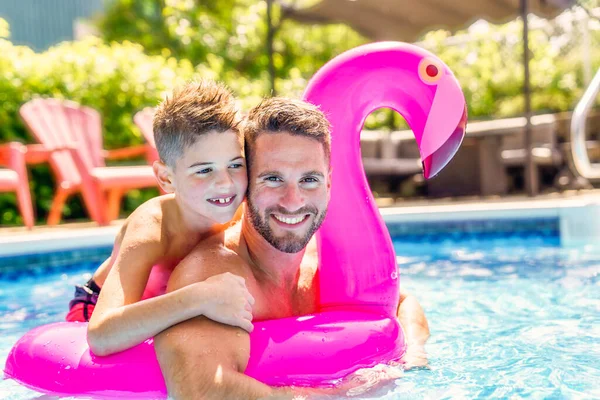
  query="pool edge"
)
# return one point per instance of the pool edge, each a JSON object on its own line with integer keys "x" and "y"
{"x": 579, "y": 221}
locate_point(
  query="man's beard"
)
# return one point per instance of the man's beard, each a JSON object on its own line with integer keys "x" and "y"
{"x": 289, "y": 243}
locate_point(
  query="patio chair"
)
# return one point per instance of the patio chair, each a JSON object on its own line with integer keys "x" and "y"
{"x": 545, "y": 150}
{"x": 14, "y": 178}
{"x": 143, "y": 120}
{"x": 71, "y": 134}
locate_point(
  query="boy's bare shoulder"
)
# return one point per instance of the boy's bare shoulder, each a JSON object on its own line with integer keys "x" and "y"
{"x": 232, "y": 236}
{"x": 146, "y": 223}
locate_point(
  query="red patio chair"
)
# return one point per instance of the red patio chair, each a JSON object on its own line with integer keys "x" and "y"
{"x": 143, "y": 120}
{"x": 71, "y": 134}
{"x": 14, "y": 179}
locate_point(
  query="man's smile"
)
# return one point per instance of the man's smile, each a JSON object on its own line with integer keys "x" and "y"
{"x": 287, "y": 221}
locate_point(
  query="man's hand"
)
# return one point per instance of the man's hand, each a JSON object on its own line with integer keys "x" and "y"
{"x": 227, "y": 300}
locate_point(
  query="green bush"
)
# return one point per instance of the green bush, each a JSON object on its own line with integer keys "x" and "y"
{"x": 117, "y": 79}
{"x": 489, "y": 65}
{"x": 229, "y": 36}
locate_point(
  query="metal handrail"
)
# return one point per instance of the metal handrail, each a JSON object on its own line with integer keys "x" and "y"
{"x": 581, "y": 160}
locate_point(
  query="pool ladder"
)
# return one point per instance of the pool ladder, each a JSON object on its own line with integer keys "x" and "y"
{"x": 581, "y": 161}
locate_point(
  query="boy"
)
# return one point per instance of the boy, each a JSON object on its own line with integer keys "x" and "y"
{"x": 202, "y": 169}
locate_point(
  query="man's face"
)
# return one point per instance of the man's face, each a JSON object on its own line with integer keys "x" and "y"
{"x": 289, "y": 186}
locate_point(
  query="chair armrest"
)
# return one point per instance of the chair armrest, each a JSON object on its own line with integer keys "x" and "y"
{"x": 126, "y": 152}
{"x": 39, "y": 153}
{"x": 11, "y": 154}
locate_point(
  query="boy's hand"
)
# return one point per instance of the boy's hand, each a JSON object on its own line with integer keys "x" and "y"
{"x": 228, "y": 301}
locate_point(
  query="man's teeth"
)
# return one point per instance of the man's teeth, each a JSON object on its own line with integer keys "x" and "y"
{"x": 289, "y": 221}
{"x": 222, "y": 201}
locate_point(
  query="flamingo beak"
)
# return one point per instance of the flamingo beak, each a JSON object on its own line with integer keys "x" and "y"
{"x": 445, "y": 127}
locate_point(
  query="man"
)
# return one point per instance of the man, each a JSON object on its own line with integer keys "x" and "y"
{"x": 287, "y": 149}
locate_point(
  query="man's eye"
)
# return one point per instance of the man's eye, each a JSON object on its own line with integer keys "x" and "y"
{"x": 272, "y": 179}
{"x": 310, "y": 179}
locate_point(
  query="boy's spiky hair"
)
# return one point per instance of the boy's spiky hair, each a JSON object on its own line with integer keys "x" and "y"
{"x": 193, "y": 110}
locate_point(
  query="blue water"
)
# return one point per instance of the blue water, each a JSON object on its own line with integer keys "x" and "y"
{"x": 510, "y": 317}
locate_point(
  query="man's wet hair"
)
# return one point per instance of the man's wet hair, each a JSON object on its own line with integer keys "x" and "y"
{"x": 279, "y": 114}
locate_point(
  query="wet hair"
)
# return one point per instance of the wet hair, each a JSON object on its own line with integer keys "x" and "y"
{"x": 279, "y": 114}
{"x": 191, "y": 111}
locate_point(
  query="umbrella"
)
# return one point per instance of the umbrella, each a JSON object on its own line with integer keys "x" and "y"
{"x": 406, "y": 20}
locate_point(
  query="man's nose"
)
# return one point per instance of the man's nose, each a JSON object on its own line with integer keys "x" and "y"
{"x": 292, "y": 198}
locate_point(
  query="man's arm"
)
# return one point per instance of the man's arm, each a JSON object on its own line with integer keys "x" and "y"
{"x": 412, "y": 318}
{"x": 416, "y": 330}
{"x": 200, "y": 358}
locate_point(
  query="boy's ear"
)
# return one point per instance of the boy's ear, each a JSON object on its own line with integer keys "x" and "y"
{"x": 164, "y": 176}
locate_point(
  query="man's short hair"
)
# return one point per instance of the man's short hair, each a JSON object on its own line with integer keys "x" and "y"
{"x": 192, "y": 111}
{"x": 279, "y": 114}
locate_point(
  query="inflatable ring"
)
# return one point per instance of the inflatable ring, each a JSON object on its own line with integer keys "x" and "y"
{"x": 356, "y": 326}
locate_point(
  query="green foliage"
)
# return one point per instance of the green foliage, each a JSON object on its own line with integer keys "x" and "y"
{"x": 229, "y": 38}
{"x": 117, "y": 80}
{"x": 488, "y": 62}
{"x": 4, "y": 30}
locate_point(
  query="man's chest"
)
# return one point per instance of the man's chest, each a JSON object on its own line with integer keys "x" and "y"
{"x": 273, "y": 303}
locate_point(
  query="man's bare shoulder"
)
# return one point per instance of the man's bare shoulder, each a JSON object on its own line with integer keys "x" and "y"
{"x": 210, "y": 257}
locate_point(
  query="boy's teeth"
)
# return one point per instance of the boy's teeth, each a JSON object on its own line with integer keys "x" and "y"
{"x": 290, "y": 221}
{"x": 223, "y": 201}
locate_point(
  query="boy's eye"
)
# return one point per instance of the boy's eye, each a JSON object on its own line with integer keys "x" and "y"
{"x": 237, "y": 165}
{"x": 204, "y": 171}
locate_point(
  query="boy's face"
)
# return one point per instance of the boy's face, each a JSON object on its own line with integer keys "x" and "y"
{"x": 289, "y": 189}
{"x": 210, "y": 177}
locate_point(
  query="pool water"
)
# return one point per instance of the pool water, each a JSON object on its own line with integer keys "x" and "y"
{"x": 510, "y": 317}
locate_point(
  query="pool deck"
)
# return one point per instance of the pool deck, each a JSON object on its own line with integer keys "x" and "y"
{"x": 575, "y": 209}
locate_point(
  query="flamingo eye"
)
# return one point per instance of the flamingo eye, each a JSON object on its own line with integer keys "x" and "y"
{"x": 430, "y": 71}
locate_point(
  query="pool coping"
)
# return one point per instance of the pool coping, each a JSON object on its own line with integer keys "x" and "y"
{"x": 574, "y": 215}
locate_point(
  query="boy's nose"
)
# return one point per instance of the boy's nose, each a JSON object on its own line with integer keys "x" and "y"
{"x": 224, "y": 181}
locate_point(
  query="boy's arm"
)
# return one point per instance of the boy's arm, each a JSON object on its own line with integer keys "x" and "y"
{"x": 120, "y": 320}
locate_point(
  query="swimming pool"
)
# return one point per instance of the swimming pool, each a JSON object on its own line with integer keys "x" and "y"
{"x": 511, "y": 312}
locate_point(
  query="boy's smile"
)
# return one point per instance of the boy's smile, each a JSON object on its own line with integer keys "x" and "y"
{"x": 222, "y": 201}
{"x": 210, "y": 177}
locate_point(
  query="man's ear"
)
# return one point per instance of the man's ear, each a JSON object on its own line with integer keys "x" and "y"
{"x": 164, "y": 176}
{"x": 329, "y": 183}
